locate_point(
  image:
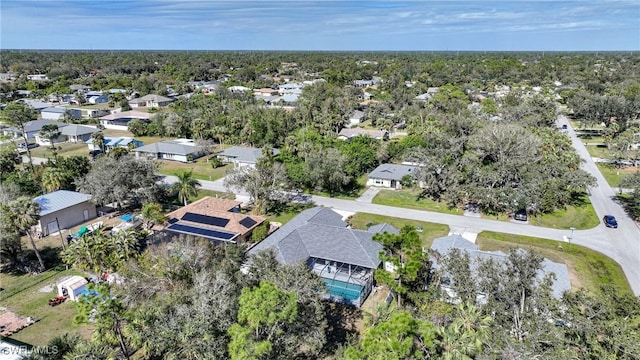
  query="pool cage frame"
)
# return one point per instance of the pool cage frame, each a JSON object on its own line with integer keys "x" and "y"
{"x": 343, "y": 272}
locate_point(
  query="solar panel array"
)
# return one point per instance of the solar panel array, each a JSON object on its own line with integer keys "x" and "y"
{"x": 207, "y": 233}
{"x": 248, "y": 222}
{"x": 205, "y": 219}
{"x": 173, "y": 220}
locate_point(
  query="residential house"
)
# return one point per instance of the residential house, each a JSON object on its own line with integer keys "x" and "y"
{"x": 100, "y": 99}
{"x": 390, "y": 175}
{"x": 350, "y": 133}
{"x": 80, "y": 88}
{"x": 150, "y": 100}
{"x": 120, "y": 120}
{"x": 114, "y": 142}
{"x": 58, "y": 113}
{"x": 243, "y": 156}
{"x": 37, "y": 77}
{"x": 446, "y": 244}
{"x": 31, "y": 128}
{"x": 183, "y": 150}
{"x": 356, "y": 117}
{"x": 36, "y": 104}
{"x": 344, "y": 258}
{"x": 63, "y": 209}
{"x": 217, "y": 220}
{"x": 75, "y": 133}
{"x": 265, "y": 92}
{"x": 238, "y": 89}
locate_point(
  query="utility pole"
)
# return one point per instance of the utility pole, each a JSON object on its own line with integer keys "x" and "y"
{"x": 60, "y": 233}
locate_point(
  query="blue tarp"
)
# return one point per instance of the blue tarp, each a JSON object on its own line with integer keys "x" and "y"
{"x": 126, "y": 217}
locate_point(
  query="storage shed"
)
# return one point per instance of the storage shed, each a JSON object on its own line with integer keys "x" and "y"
{"x": 72, "y": 287}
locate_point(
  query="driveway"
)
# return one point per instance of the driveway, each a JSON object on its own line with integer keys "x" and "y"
{"x": 368, "y": 195}
{"x": 622, "y": 244}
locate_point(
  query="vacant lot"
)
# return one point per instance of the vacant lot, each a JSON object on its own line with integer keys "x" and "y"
{"x": 410, "y": 199}
{"x": 614, "y": 174}
{"x": 25, "y": 295}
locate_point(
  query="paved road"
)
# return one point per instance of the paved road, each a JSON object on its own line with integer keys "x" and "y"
{"x": 36, "y": 160}
{"x": 622, "y": 244}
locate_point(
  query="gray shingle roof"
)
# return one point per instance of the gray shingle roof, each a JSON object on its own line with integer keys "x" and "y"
{"x": 384, "y": 227}
{"x": 154, "y": 97}
{"x": 245, "y": 154}
{"x": 36, "y": 125}
{"x": 392, "y": 172}
{"x": 444, "y": 244}
{"x": 75, "y": 130}
{"x": 54, "y": 110}
{"x": 59, "y": 200}
{"x": 168, "y": 147}
{"x": 320, "y": 232}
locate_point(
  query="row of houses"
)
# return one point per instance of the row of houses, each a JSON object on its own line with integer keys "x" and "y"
{"x": 344, "y": 258}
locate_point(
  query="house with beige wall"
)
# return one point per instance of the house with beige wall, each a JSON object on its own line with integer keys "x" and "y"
{"x": 63, "y": 209}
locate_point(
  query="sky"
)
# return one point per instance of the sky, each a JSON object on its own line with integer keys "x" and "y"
{"x": 368, "y": 25}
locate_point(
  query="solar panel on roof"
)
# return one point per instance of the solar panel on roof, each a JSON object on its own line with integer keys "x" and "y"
{"x": 172, "y": 220}
{"x": 205, "y": 219}
{"x": 248, "y": 222}
{"x": 207, "y": 233}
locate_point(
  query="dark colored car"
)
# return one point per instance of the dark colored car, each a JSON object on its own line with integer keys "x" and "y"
{"x": 521, "y": 215}
{"x": 610, "y": 221}
{"x": 28, "y": 145}
{"x": 564, "y": 126}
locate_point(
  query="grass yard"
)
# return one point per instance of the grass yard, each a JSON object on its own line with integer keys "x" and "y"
{"x": 409, "y": 199}
{"x": 587, "y": 268}
{"x": 22, "y": 295}
{"x": 65, "y": 149}
{"x": 613, "y": 174}
{"x": 354, "y": 194}
{"x": 202, "y": 169}
{"x": 429, "y": 232}
{"x": 599, "y": 151}
{"x": 581, "y": 217}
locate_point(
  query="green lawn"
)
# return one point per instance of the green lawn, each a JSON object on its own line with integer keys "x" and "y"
{"x": 613, "y": 175}
{"x": 599, "y": 152}
{"x": 22, "y": 295}
{"x": 409, "y": 199}
{"x": 354, "y": 194}
{"x": 587, "y": 268}
{"x": 65, "y": 149}
{"x": 202, "y": 170}
{"x": 429, "y": 232}
{"x": 580, "y": 217}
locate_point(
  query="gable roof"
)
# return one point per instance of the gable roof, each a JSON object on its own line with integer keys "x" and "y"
{"x": 382, "y": 228}
{"x": 320, "y": 232}
{"x": 54, "y": 110}
{"x": 59, "y": 200}
{"x": 445, "y": 244}
{"x": 169, "y": 147}
{"x": 392, "y": 172}
{"x": 245, "y": 154}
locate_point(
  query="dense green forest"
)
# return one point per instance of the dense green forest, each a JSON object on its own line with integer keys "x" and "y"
{"x": 487, "y": 136}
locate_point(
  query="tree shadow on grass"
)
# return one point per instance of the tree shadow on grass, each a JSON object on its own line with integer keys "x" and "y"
{"x": 341, "y": 326}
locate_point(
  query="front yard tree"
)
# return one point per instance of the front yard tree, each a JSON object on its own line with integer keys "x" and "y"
{"x": 22, "y": 214}
{"x": 186, "y": 186}
{"x": 51, "y": 132}
{"x": 122, "y": 180}
{"x": 98, "y": 140}
{"x": 18, "y": 115}
{"x": 403, "y": 252}
{"x": 267, "y": 184}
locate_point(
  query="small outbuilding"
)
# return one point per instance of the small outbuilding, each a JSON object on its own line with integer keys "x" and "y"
{"x": 72, "y": 287}
{"x": 63, "y": 209}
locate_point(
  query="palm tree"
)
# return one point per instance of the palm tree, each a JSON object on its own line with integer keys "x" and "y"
{"x": 152, "y": 214}
{"x": 22, "y": 214}
{"x": 186, "y": 186}
{"x": 53, "y": 178}
{"x": 465, "y": 336}
{"x": 98, "y": 140}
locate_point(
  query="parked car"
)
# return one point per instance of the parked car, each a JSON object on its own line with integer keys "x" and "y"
{"x": 520, "y": 215}
{"x": 610, "y": 221}
{"x": 28, "y": 145}
{"x": 564, "y": 126}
